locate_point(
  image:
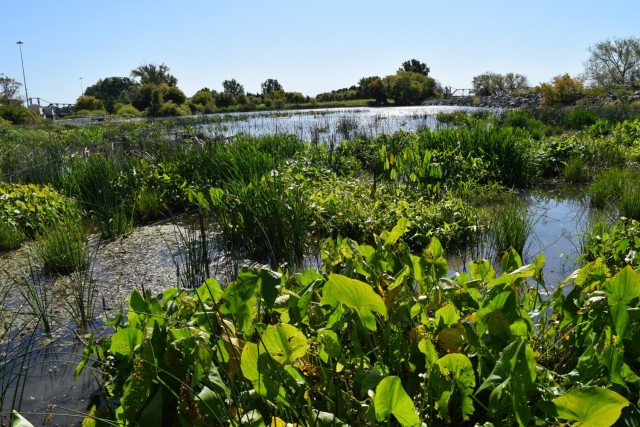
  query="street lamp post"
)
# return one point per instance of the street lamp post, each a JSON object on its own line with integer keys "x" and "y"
{"x": 81, "y": 87}
{"x": 24, "y": 78}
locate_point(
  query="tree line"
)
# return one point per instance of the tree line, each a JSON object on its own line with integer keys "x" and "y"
{"x": 152, "y": 90}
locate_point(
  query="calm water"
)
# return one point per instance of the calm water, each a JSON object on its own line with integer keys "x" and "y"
{"x": 333, "y": 125}
{"x": 560, "y": 216}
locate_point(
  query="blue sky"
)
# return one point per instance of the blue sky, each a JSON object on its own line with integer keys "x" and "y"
{"x": 308, "y": 46}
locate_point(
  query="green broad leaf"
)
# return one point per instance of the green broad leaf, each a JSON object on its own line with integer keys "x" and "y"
{"x": 390, "y": 399}
{"x": 509, "y": 278}
{"x": 124, "y": 341}
{"x": 240, "y": 302}
{"x": 398, "y": 231}
{"x": 137, "y": 306}
{"x": 453, "y": 373}
{"x": 210, "y": 291}
{"x": 481, "y": 269}
{"x": 151, "y": 415}
{"x": 433, "y": 262}
{"x": 18, "y": 420}
{"x": 211, "y": 405}
{"x": 138, "y": 386}
{"x": 621, "y": 290}
{"x": 429, "y": 350}
{"x": 258, "y": 368}
{"x": 86, "y": 353}
{"x": 448, "y": 315}
{"x": 356, "y": 295}
{"x": 591, "y": 406}
{"x": 329, "y": 344}
{"x": 514, "y": 374}
{"x": 511, "y": 261}
{"x": 285, "y": 343}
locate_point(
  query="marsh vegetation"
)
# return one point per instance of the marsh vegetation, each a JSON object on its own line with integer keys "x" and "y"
{"x": 378, "y": 329}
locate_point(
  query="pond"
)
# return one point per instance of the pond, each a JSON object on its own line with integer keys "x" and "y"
{"x": 333, "y": 125}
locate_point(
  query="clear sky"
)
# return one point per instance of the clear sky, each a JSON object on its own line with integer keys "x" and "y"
{"x": 308, "y": 46}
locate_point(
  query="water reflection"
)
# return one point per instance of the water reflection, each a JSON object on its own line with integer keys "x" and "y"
{"x": 560, "y": 216}
{"x": 332, "y": 125}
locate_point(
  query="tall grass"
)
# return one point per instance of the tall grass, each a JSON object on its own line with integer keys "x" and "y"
{"x": 94, "y": 182}
{"x": 10, "y": 236}
{"x": 617, "y": 188}
{"x": 267, "y": 220}
{"x": 508, "y": 225}
{"x": 63, "y": 249}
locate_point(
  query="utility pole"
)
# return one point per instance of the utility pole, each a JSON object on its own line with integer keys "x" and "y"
{"x": 81, "y": 87}
{"x": 24, "y": 78}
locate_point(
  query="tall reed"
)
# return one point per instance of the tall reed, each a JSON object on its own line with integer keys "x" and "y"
{"x": 94, "y": 182}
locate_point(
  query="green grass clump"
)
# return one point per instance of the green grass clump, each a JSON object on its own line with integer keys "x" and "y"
{"x": 576, "y": 170}
{"x": 508, "y": 225}
{"x": 94, "y": 182}
{"x": 580, "y": 118}
{"x": 62, "y": 249}
{"x": 607, "y": 188}
{"x": 10, "y": 237}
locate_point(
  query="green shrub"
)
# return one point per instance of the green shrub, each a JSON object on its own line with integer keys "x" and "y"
{"x": 126, "y": 110}
{"x": 18, "y": 115}
{"x": 32, "y": 208}
{"x": 564, "y": 90}
{"x": 578, "y": 119}
{"x": 89, "y": 103}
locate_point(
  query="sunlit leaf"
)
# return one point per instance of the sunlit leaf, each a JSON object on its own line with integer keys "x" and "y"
{"x": 398, "y": 231}
{"x": 390, "y": 399}
{"x": 285, "y": 343}
{"x": 453, "y": 373}
{"x": 125, "y": 340}
{"x": 18, "y": 420}
{"x": 481, "y": 269}
{"x": 355, "y": 295}
{"x": 621, "y": 290}
{"x": 591, "y": 406}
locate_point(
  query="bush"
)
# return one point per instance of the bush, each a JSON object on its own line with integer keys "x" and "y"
{"x": 32, "y": 208}
{"x": 563, "y": 90}
{"x": 18, "y": 115}
{"x": 90, "y": 103}
{"x": 170, "y": 108}
{"x": 126, "y": 110}
{"x": 578, "y": 119}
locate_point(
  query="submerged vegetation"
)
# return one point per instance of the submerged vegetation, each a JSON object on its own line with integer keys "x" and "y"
{"x": 380, "y": 331}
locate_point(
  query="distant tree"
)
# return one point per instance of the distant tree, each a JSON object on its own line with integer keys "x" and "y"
{"x": 9, "y": 91}
{"x": 363, "y": 86}
{"x": 493, "y": 83}
{"x": 233, "y": 88}
{"x": 172, "y": 93}
{"x": 224, "y": 99}
{"x": 269, "y": 86}
{"x": 376, "y": 90}
{"x": 563, "y": 90}
{"x": 204, "y": 101}
{"x": 415, "y": 66}
{"x": 89, "y": 103}
{"x": 154, "y": 74}
{"x": 614, "y": 62}
{"x": 409, "y": 88}
{"x": 294, "y": 97}
{"x": 113, "y": 90}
